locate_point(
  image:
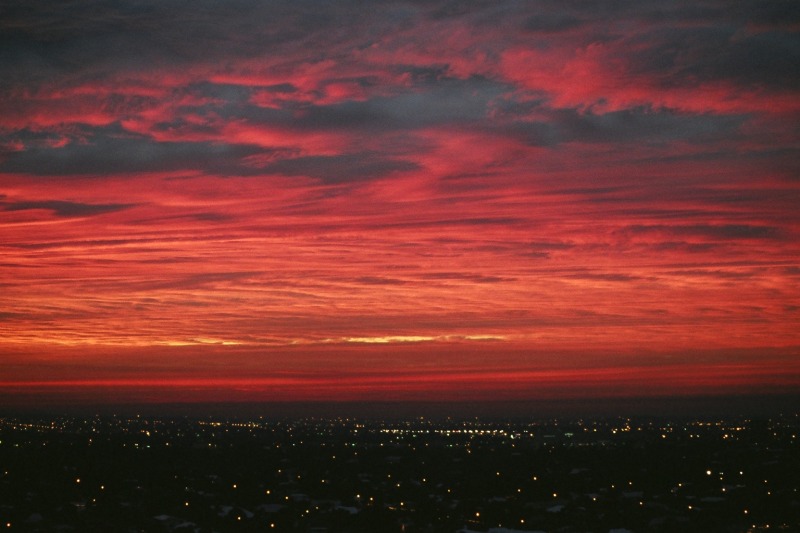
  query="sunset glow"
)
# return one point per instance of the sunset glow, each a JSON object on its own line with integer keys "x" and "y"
{"x": 398, "y": 200}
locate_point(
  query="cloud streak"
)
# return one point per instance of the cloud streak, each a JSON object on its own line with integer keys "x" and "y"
{"x": 65, "y": 209}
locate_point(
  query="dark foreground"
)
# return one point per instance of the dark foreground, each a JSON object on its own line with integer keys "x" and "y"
{"x": 128, "y": 473}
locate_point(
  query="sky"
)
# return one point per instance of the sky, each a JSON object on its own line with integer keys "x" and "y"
{"x": 398, "y": 201}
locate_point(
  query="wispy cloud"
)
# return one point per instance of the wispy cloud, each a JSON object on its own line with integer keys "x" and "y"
{"x": 64, "y": 209}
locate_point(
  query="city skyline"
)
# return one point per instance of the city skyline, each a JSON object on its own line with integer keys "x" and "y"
{"x": 398, "y": 201}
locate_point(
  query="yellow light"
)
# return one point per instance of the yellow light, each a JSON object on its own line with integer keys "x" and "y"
{"x": 389, "y": 339}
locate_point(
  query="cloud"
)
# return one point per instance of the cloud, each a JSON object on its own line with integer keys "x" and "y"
{"x": 448, "y": 222}
{"x": 600, "y": 276}
{"x": 707, "y": 57}
{"x": 337, "y": 169}
{"x": 186, "y": 282}
{"x": 552, "y": 22}
{"x": 542, "y": 250}
{"x": 460, "y": 276}
{"x": 106, "y": 154}
{"x": 700, "y": 51}
{"x": 376, "y": 280}
{"x": 62, "y": 208}
{"x": 719, "y": 274}
{"x": 101, "y": 243}
{"x": 640, "y": 125}
{"x": 100, "y": 32}
{"x": 732, "y": 232}
{"x": 428, "y": 102}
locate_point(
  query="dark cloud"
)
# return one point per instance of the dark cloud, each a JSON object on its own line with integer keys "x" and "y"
{"x": 101, "y": 243}
{"x": 551, "y": 22}
{"x": 551, "y": 246}
{"x": 42, "y": 39}
{"x": 74, "y": 43}
{"x": 105, "y": 154}
{"x": 630, "y": 125}
{"x": 695, "y": 13}
{"x": 677, "y": 14}
{"x": 212, "y": 217}
{"x": 780, "y": 13}
{"x": 280, "y": 88}
{"x": 685, "y": 247}
{"x": 375, "y": 280}
{"x": 340, "y": 168}
{"x": 433, "y": 101}
{"x": 191, "y": 281}
{"x": 689, "y": 56}
{"x": 543, "y": 250}
{"x": 765, "y": 59}
{"x": 446, "y": 222}
{"x": 65, "y": 209}
{"x": 225, "y": 93}
{"x": 453, "y": 8}
{"x": 731, "y": 232}
{"x": 716, "y": 273}
{"x": 438, "y": 102}
{"x": 460, "y": 276}
{"x": 601, "y": 276}
{"x": 590, "y": 191}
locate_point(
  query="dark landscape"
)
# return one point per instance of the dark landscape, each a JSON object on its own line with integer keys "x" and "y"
{"x": 127, "y": 472}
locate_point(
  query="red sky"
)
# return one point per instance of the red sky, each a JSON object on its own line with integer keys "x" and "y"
{"x": 398, "y": 200}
